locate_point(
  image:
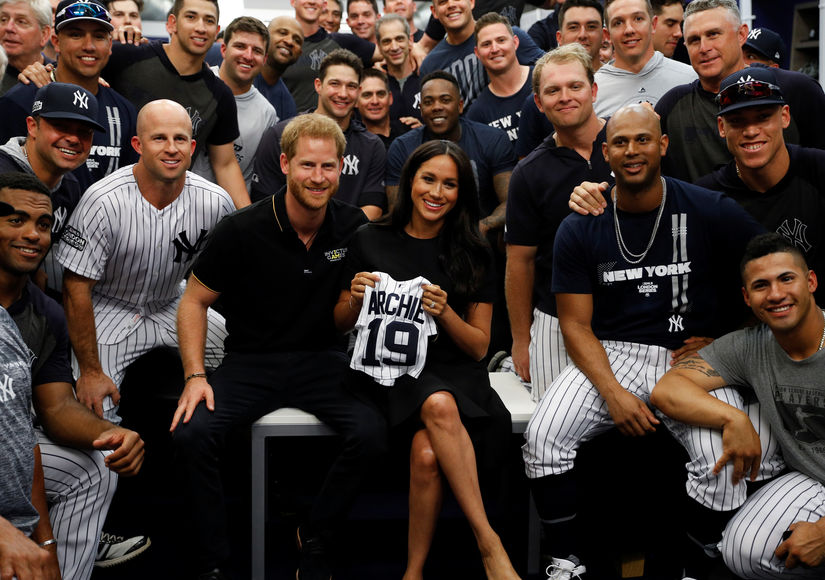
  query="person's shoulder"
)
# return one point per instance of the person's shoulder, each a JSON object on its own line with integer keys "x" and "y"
{"x": 46, "y": 306}
{"x": 483, "y": 131}
{"x": 21, "y": 95}
{"x": 718, "y": 179}
{"x": 111, "y": 189}
{"x": 134, "y": 53}
{"x": 205, "y": 187}
{"x": 692, "y": 192}
{"x": 411, "y": 139}
{"x": 107, "y": 95}
{"x": 676, "y": 94}
{"x": 546, "y": 153}
{"x": 346, "y": 218}
{"x": 791, "y": 80}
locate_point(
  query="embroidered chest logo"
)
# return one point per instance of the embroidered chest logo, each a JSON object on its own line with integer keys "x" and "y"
{"x": 315, "y": 58}
{"x": 676, "y": 323}
{"x": 183, "y": 246}
{"x": 197, "y": 121}
{"x": 6, "y": 391}
{"x": 795, "y": 234}
{"x": 350, "y": 165}
{"x": 60, "y": 215}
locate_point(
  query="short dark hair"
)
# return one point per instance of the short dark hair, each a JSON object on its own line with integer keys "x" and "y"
{"x": 138, "y": 3}
{"x": 770, "y": 243}
{"x": 489, "y": 19}
{"x": 374, "y": 73}
{"x": 247, "y": 24}
{"x": 372, "y": 2}
{"x": 658, "y": 5}
{"x": 344, "y": 57}
{"x": 607, "y": 4}
{"x": 24, "y": 181}
{"x": 178, "y": 6}
{"x": 443, "y": 75}
{"x": 595, "y": 4}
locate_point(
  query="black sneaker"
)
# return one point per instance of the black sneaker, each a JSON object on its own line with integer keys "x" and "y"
{"x": 113, "y": 550}
{"x": 215, "y": 574}
{"x": 314, "y": 563}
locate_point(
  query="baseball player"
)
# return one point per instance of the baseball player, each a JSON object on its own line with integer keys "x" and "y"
{"x": 537, "y": 204}
{"x": 643, "y": 279}
{"x": 779, "y": 532}
{"x": 126, "y": 251}
{"x": 276, "y": 267}
{"x": 80, "y": 476}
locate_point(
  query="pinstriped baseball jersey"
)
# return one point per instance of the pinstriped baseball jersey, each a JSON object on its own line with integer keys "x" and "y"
{"x": 138, "y": 254}
{"x": 393, "y": 330}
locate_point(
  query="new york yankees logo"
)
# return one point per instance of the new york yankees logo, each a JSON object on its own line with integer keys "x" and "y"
{"x": 60, "y": 214}
{"x": 81, "y": 99}
{"x": 6, "y": 391}
{"x": 795, "y": 234}
{"x": 676, "y": 323}
{"x": 754, "y": 34}
{"x": 315, "y": 58}
{"x": 197, "y": 121}
{"x": 350, "y": 165}
{"x": 182, "y": 245}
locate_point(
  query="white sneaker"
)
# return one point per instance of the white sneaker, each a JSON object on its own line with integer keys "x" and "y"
{"x": 561, "y": 569}
{"x": 113, "y": 550}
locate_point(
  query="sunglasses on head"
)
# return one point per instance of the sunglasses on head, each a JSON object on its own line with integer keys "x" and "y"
{"x": 80, "y": 9}
{"x": 747, "y": 91}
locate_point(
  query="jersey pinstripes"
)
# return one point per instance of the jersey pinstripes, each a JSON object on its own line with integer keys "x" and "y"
{"x": 755, "y": 531}
{"x": 79, "y": 490}
{"x": 393, "y": 330}
{"x": 137, "y": 253}
{"x": 548, "y": 357}
{"x": 573, "y": 411}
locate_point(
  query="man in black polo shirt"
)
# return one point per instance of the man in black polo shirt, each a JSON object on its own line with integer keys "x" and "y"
{"x": 362, "y": 177}
{"x": 276, "y": 268}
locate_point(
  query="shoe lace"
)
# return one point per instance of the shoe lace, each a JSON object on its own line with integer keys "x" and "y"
{"x": 556, "y": 572}
{"x": 107, "y": 538}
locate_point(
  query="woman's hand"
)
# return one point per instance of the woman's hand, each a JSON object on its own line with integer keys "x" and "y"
{"x": 359, "y": 285}
{"x": 434, "y": 300}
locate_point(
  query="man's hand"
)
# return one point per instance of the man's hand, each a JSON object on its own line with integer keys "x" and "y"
{"x": 740, "y": 446}
{"x": 36, "y": 73}
{"x": 630, "y": 414}
{"x": 692, "y": 345}
{"x": 129, "y": 34}
{"x": 93, "y": 387}
{"x": 805, "y": 546}
{"x": 197, "y": 390}
{"x": 22, "y": 559}
{"x": 127, "y": 455}
{"x": 588, "y": 198}
{"x": 411, "y": 122}
{"x": 521, "y": 359}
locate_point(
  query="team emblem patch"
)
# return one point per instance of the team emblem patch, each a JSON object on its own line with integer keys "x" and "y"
{"x": 335, "y": 255}
{"x": 72, "y": 237}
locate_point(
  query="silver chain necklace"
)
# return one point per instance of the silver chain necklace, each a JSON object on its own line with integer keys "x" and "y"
{"x": 629, "y": 256}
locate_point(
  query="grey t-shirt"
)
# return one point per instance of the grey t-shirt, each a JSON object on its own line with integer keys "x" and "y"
{"x": 17, "y": 437}
{"x": 792, "y": 393}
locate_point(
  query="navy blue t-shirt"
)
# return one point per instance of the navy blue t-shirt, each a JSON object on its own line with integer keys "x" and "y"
{"x": 501, "y": 112}
{"x": 406, "y": 99}
{"x": 687, "y": 285}
{"x": 110, "y": 150}
{"x": 42, "y": 325}
{"x": 278, "y": 96}
{"x": 460, "y": 61}
{"x": 489, "y": 150}
{"x": 543, "y": 32}
{"x": 540, "y": 188}
{"x": 362, "y": 177}
{"x": 794, "y": 207}
{"x": 533, "y": 127}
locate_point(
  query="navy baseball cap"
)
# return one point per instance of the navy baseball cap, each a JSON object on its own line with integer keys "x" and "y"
{"x": 767, "y": 43}
{"x": 74, "y": 10}
{"x": 753, "y": 86}
{"x": 66, "y": 101}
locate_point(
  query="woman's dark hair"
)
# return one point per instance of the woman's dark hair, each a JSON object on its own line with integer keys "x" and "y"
{"x": 464, "y": 253}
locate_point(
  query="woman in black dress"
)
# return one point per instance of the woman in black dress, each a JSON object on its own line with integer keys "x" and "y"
{"x": 433, "y": 232}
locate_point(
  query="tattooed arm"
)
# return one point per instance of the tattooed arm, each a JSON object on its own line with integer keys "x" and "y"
{"x": 684, "y": 394}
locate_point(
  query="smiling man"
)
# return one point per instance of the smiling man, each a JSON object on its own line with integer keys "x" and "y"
{"x": 123, "y": 254}
{"x": 780, "y": 530}
{"x": 667, "y": 31}
{"x": 245, "y": 45}
{"x": 638, "y": 74}
{"x": 176, "y": 71}
{"x": 25, "y": 26}
{"x": 537, "y": 204}
{"x": 374, "y": 106}
{"x": 361, "y": 18}
{"x": 286, "y": 42}
{"x": 499, "y": 104}
{"x": 82, "y": 38}
{"x": 277, "y": 269}
{"x": 632, "y": 286}
{"x": 714, "y": 36}
{"x": 337, "y": 90}
{"x": 490, "y": 150}
{"x": 393, "y": 35}
{"x": 59, "y": 137}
